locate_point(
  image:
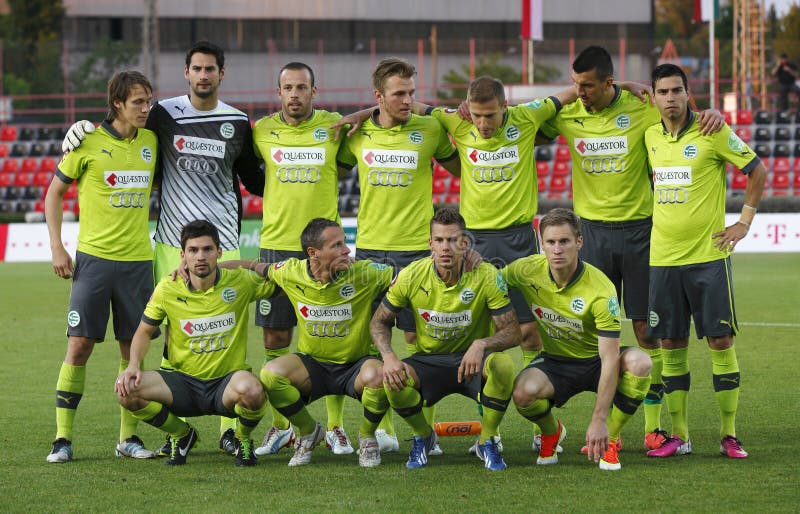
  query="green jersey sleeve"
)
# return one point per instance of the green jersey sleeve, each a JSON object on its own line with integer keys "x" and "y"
{"x": 154, "y": 311}
{"x": 729, "y": 147}
{"x": 497, "y": 291}
{"x": 397, "y": 297}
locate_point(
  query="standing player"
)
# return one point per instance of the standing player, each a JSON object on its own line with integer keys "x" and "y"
{"x": 393, "y": 150}
{"x": 207, "y": 349}
{"x": 332, "y": 297}
{"x": 690, "y": 266}
{"x": 204, "y": 145}
{"x": 453, "y": 312}
{"x": 577, "y": 313}
{"x": 604, "y": 130}
{"x": 299, "y": 152}
{"x": 114, "y": 261}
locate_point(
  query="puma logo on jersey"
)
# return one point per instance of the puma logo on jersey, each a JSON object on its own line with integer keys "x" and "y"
{"x": 367, "y": 134}
{"x": 474, "y": 136}
{"x": 103, "y": 150}
{"x": 579, "y": 122}
{"x": 276, "y": 134}
{"x": 535, "y": 287}
{"x": 427, "y": 293}
{"x": 184, "y": 300}
{"x": 302, "y": 289}
{"x": 180, "y": 108}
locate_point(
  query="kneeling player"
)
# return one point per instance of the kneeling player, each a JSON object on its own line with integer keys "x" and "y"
{"x": 453, "y": 310}
{"x": 577, "y": 312}
{"x": 207, "y": 324}
{"x": 331, "y": 297}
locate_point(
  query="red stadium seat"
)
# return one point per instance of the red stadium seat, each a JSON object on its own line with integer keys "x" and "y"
{"x": 455, "y": 185}
{"x": 562, "y": 154}
{"x": 39, "y": 206}
{"x": 766, "y": 162}
{"x": 562, "y": 141}
{"x": 10, "y": 166}
{"x": 29, "y": 165}
{"x": 438, "y": 199}
{"x": 796, "y": 184}
{"x": 739, "y": 182}
{"x": 23, "y": 179}
{"x": 42, "y": 179}
{"x": 557, "y": 184}
{"x": 781, "y": 165}
{"x": 728, "y": 117}
{"x": 744, "y": 134}
{"x": 439, "y": 186}
{"x": 780, "y": 181}
{"x": 542, "y": 185}
{"x": 562, "y": 169}
{"x": 796, "y": 166}
{"x": 3, "y": 150}
{"x": 542, "y": 169}
{"x": 255, "y": 205}
{"x": 47, "y": 164}
{"x": 5, "y": 179}
{"x": 439, "y": 171}
{"x": 744, "y": 118}
{"x": 72, "y": 192}
{"x": 452, "y": 199}
{"x": 8, "y": 133}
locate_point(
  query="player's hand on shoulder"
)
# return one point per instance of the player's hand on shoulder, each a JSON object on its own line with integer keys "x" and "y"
{"x": 463, "y": 111}
{"x": 472, "y": 259}
{"x": 76, "y": 134}
{"x": 641, "y": 91}
{"x": 711, "y": 121}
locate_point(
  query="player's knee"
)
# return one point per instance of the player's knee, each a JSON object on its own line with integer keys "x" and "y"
{"x": 78, "y": 350}
{"x": 371, "y": 376}
{"x": 720, "y": 343}
{"x": 637, "y": 362}
{"x": 500, "y": 365}
{"x": 525, "y": 393}
{"x": 275, "y": 339}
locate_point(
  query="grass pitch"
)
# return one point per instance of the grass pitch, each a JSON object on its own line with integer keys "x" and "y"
{"x": 34, "y": 304}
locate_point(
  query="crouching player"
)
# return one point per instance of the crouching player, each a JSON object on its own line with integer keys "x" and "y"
{"x": 331, "y": 296}
{"x": 453, "y": 312}
{"x": 207, "y": 324}
{"x": 577, "y": 311}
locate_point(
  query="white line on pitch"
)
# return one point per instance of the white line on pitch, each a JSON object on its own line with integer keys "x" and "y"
{"x": 754, "y": 324}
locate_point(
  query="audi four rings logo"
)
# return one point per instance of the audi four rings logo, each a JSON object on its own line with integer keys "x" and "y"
{"x": 607, "y": 164}
{"x": 298, "y": 174}
{"x": 504, "y": 174}
{"x": 327, "y": 329}
{"x": 209, "y": 344}
{"x": 672, "y": 195}
{"x": 188, "y": 164}
{"x": 122, "y": 199}
{"x": 390, "y": 178}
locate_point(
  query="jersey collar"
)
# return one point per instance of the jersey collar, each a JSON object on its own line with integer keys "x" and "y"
{"x": 436, "y": 272}
{"x": 575, "y": 276}
{"x": 108, "y": 127}
{"x": 334, "y": 277}
{"x": 689, "y": 122}
{"x": 614, "y": 100}
{"x": 374, "y": 118}
{"x": 313, "y": 112}
{"x": 216, "y": 281}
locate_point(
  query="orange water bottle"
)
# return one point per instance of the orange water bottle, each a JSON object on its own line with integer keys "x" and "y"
{"x": 456, "y": 428}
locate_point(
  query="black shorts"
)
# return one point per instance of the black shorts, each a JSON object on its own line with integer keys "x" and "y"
{"x": 569, "y": 376}
{"x": 702, "y": 291}
{"x": 621, "y": 250}
{"x": 332, "y": 379}
{"x": 195, "y": 396}
{"x": 501, "y": 248}
{"x": 98, "y": 284}
{"x": 438, "y": 376}
{"x": 398, "y": 260}
{"x": 277, "y": 311}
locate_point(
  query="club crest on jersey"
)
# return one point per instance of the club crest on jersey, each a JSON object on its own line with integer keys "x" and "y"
{"x": 226, "y": 130}
{"x": 501, "y": 283}
{"x": 415, "y": 136}
{"x": 690, "y": 151}
{"x": 347, "y": 291}
{"x": 623, "y": 121}
{"x": 264, "y": 307}
{"x": 467, "y": 295}
{"x": 321, "y": 135}
{"x": 534, "y": 104}
{"x": 613, "y": 306}
{"x": 228, "y": 295}
{"x": 279, "y": 265}
{"x": 512, "y": 133}
{"x": 73, "y": 319}
{"x": 577, "y": 305}
{"x": 653, "y": 319}
{"x": 450, "y": 111}
{"x": 735, "y": 143}
{"x": 378, "y": 266}
{"x": 147, "y": 154}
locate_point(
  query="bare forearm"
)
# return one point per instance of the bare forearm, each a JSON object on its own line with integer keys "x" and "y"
{"x": 380, "y": 328}
{"x": 140, "y": 344}
{"x": 507, "y": 335}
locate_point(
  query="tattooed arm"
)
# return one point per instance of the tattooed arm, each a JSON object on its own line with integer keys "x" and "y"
{"x": 506, "y": 336}
{"x": 380, "y": 328}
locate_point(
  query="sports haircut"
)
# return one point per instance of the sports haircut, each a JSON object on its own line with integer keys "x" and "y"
{"x": 120, "y": 86}
{"x": 448, "y": 216}
{"x": 199, "y": 228}
{"x": 297, "y": 66}
{"x": 668, "y": 70}
{"x": 594, "y": 58}
{"x": 485, "y": 89}
{"x": 312, "y": 234}
{"x": 389, "y": 68}
{"x": 561, "y": 216}
{"x": 206, "y": 47}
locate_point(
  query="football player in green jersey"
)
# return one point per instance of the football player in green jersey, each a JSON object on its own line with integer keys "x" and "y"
{"x": 208, "y": 318}
{"x": 456, "y": 351}
{"x": 577, "y": 314}
{"x": 690, "y": 267}
{"x": 114, "y": 260}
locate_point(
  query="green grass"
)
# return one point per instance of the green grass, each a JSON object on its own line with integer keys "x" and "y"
{"x": 34, "y": 311}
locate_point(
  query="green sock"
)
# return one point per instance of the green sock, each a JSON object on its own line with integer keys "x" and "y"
{"x": 335, "y": 406}
{"x": 127, "y": 421}
{"x": 387, "y": 423}
{"x": 278, "y": 420}
{"x": 528, "y": 356}
{"x": 248, "y": 420}
{"x": 226, "y": 424}
{"x": 411, "y": 348}
{"x": 157, "y": 415}
{"x": 539, "y": 413}
{"x": 375, "y": 406}
{"x": 429, "y": 411}
{"x": 631, "y": 390}
{"x": 496, "y": 393}
{"x": 285, "y": 397}
{"x": 69, "y": 391}
{"x": 725, "y": 370}
{"x": 655, "y": 396}
{"x": 408, "y": 403}
{"x": 676, "y": 377}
